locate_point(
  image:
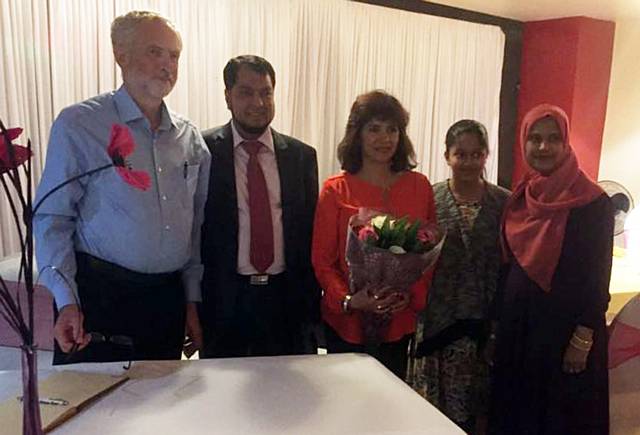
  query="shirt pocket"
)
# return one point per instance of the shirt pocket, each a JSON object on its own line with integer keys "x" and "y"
{"x": 191, "y": 178}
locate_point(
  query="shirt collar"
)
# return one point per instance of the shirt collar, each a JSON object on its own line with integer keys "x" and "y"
{"x": 266, "y": 138}
{"x": 129, "y": 110}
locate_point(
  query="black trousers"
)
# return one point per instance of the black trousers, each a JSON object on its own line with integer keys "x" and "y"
{"x": 264, "y": 323}
{"x": 393, "y": 355}
{"x": 131, "y": 315}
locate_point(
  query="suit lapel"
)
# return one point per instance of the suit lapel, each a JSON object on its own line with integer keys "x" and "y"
{"x": 226, "y": 179}
{"x": 289, "y": 186}
{"x": 287, "y": 171}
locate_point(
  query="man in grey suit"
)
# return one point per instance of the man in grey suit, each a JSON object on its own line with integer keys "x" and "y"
{"x": 259, "y": 293}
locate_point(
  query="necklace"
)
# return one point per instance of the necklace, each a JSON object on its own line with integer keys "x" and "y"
{"x": 472, "y": 198}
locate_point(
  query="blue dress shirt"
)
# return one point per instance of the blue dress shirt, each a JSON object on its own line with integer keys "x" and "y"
{"x": 152, "y": 231}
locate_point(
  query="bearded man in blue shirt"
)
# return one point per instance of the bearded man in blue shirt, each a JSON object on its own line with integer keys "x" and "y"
{"x": 124, "y": 264}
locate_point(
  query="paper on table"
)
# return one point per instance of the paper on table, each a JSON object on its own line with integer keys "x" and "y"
{"x": 78, "y": 388}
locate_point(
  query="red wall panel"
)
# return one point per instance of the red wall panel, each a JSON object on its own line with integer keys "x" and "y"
{"x": 567, "y": 62}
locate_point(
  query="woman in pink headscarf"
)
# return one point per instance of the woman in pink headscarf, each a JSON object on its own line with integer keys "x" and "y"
{"x": 550, "y": 365}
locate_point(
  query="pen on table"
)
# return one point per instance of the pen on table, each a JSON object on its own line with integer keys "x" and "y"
{"x": 184, "y": 169}
{"x": 49, "y": 401}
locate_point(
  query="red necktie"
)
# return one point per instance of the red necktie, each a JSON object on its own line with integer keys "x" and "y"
{"x": 261, "y": 249}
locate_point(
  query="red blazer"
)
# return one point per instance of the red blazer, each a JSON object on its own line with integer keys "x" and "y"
{"x": 340, "y": 198}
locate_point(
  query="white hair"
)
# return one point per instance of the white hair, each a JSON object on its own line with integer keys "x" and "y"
{"x": 124, "y": 27}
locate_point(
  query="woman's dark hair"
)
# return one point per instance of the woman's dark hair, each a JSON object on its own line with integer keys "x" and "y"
{"x": 383, "y": 107}
{"x": 467, "y": 126}
{"x": 255, "y": 63}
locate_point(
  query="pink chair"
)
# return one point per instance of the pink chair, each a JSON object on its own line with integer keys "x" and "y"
{"x": 624, "y": 369}
{"x": 624, "y": 333}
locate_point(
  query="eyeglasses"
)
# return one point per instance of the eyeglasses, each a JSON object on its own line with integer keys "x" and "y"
{"x": 120, "y": 341}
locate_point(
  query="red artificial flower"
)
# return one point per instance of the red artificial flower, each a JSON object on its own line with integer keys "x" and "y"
{"x": 426, "y": 236}
{"x": 367, "y": 233}
{"x": 121, "y": 145}
{"x": 21, "y": 154}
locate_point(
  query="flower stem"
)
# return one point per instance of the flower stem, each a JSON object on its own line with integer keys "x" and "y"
{"x": 27, "y": 257}
{"x": 31, "y": 418}
{"x": 70, "y": 180}
{"x": 14, "y": 210}
{"x": 11, "y": 312}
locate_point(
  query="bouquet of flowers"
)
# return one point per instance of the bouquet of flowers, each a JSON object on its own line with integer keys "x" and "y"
{"x": 388, "y": 253}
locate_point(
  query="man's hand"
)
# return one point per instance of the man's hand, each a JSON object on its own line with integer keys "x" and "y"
{"x": 69, "y": 329}
{"x": 193, "y": 331}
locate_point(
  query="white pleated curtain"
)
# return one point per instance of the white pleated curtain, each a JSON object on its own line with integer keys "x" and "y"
{"x": 325, "y": 53}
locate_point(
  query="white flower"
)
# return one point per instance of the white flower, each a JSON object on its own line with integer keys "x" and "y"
{"x": 397, "y": 249}
{"x": 378, "y": 221}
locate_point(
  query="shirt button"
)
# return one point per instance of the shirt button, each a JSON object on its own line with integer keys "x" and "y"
{"x": 167, "y": 227}
{"x": 164, "y": 197}
{"x": 159, "y": 168}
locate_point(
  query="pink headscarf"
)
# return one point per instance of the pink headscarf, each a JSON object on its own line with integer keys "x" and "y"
{"x": 536, "y": 214}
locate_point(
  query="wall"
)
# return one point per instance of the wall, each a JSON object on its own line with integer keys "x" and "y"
{"x": 620, "y": 159}
{"x": 510, "y": 68}
{"x": 567, "y": 62}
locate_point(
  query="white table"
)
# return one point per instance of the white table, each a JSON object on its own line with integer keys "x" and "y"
{"x": 333, "y": 394}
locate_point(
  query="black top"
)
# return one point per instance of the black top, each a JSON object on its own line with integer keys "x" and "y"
{"x": 531, "y": 393}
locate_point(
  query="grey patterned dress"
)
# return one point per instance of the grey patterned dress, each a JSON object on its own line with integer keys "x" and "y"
{"x": 447, "y": 367}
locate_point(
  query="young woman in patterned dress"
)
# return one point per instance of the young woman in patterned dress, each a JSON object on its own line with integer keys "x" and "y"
{"x": 448, "y": 368}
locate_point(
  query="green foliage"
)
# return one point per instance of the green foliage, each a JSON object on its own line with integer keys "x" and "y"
{"x": 397, "y": 232}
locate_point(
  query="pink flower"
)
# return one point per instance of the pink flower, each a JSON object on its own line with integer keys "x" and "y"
{"x": 367, "y": 233}
{"x": 121, "y": 145}
{"x": 426, "y": 236}
{"x": 20, "y": 154}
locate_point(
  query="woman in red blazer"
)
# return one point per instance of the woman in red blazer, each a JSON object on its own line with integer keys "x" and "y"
{"x": 377, "y": 159}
